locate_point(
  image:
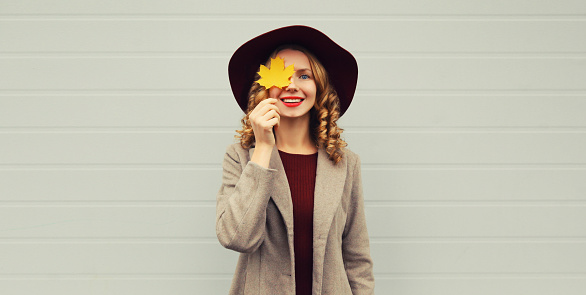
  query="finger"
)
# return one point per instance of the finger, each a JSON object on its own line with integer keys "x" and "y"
{"x": 273, "y": 122}
{"x": 261, "y": 105}
{"x": 274, "y": 107}
{"x": 266, "y": 108}
{"x": 271, "y": 101}
{"x": 270, "y": 114}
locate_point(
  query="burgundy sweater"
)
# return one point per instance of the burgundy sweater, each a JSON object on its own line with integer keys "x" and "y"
{"x": 300, "y": 170}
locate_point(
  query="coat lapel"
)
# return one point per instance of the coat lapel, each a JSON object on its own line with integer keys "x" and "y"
{"x": 329, "y": 184}
{"x": 282, "y": 193}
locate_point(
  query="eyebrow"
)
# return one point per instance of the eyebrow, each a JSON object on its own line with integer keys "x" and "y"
{"x": 304, "y": 69}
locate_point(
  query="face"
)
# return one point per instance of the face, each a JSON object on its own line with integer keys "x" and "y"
{"x": 302, "y": 86}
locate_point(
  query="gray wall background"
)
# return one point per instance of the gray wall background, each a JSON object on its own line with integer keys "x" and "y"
{"x": 469, "y": 118}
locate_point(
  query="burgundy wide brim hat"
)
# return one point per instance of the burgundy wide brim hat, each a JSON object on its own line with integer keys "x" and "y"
{"x": 340, "y": 65}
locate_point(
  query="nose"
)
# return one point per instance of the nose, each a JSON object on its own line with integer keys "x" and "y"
{"x": 292, "y": 86}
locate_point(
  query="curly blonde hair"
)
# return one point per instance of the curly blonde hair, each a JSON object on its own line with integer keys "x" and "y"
{"x": 323, "y": 115}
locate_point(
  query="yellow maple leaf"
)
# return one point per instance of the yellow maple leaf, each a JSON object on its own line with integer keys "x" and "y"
{"x": 277, "y": 75}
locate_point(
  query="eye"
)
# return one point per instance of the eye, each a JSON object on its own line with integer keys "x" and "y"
{"x": 304, "y": 76}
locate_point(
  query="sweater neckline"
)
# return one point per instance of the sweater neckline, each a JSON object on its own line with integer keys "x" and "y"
{"x": 280, "y": 151}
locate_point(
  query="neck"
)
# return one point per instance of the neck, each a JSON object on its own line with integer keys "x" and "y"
{"x": 293, "y": 135}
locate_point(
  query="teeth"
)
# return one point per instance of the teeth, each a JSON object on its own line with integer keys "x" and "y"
{"x": 292, "y": 100}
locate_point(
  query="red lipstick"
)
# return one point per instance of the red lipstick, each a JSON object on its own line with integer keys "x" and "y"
{"x": 292, "y": 104}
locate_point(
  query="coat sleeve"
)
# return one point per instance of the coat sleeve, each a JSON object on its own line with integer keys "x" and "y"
{"x": 242, "y": 202}
{"x": 355, "y": 241}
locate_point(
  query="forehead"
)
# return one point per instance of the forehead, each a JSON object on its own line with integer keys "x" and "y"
{"x": 296, "y": 57}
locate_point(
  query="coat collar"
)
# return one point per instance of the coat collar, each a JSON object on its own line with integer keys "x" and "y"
{"x": 329, "y": 185}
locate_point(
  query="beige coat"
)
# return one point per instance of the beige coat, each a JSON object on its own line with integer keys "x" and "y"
{"x": 254, "y": 216}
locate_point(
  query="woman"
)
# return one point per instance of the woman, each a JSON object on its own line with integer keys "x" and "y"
{"x": 291, "y": 197}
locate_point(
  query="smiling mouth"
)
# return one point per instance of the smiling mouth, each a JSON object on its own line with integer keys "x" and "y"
{"x": 292, "y": 99}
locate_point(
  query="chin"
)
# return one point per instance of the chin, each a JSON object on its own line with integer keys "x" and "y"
{"x": 296, "y": 114}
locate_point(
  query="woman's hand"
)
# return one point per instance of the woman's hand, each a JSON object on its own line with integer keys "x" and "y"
{"x": 264, "y": 116}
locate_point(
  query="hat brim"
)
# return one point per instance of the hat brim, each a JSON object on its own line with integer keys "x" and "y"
{"x": 339, "y": 63}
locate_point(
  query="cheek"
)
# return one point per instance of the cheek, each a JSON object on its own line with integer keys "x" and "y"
{"x": 313, "y": 90}
{"x": 274, "y": 92}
